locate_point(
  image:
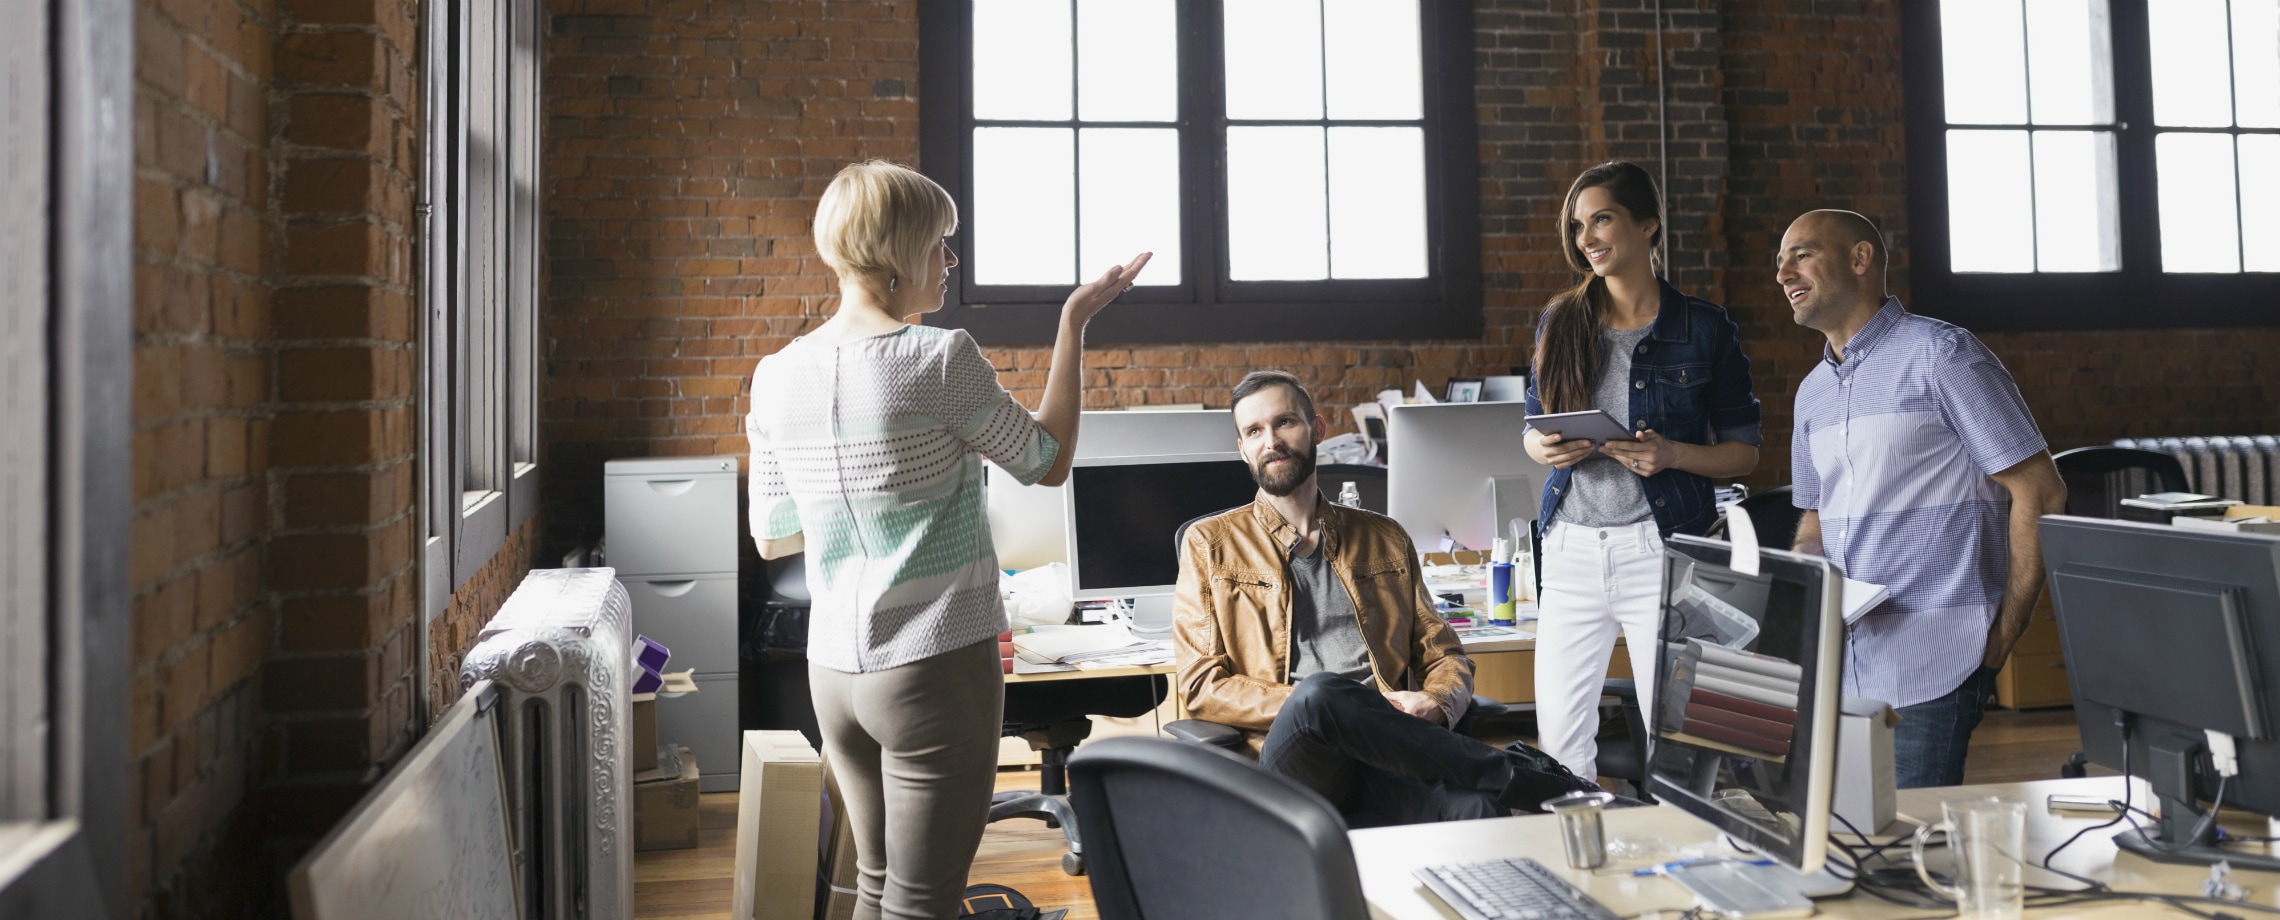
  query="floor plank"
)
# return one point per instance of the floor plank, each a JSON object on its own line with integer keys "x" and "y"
{"x": 1026, "y": 855}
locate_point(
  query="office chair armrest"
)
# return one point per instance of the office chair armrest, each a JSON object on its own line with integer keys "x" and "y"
{"x": 1208, "y": 734}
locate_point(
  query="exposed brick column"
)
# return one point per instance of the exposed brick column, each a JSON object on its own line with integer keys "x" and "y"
{"x": 686, "y": 146}
{"x": 339, "y": 691}
{"x": 1818, "y": 122}
{"x": 201, "y": 624}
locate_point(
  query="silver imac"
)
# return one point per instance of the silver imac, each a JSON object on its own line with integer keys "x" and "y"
{"x": 1122, "y": 513}
{"x": 1027, "y": 523}
{"x": 1460, "y": 468}
{"x": 1747, "y": 694}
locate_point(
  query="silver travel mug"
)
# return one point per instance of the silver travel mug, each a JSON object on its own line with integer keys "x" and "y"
{"x": 1580, "y": 831}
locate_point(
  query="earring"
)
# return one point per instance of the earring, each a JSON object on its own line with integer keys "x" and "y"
{"x": 891, "y": 280}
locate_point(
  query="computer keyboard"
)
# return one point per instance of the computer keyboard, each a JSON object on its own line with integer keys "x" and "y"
{"x": 1510, "y": 889}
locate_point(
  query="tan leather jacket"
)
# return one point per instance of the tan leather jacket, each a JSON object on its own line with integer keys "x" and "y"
{"x": 1231, "y": 614}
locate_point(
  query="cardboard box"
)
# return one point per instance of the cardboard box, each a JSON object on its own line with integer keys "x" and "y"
{"x": 641, "y": 752}
{"x": 779, "y": 807}
{"x": 835, "y": 855}
{"x": 665, "y": 810}
{"x": 649, "y": 760}
{"x": 1865, "y": 777}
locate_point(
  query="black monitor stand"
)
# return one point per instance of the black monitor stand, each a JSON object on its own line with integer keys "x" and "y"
{"x": 2177, "y": 760}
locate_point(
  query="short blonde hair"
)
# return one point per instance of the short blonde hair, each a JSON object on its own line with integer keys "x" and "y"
{"x": 879, "y": 221}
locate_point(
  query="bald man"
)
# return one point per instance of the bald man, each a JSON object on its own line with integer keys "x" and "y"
{"x": 1918, "y": 468}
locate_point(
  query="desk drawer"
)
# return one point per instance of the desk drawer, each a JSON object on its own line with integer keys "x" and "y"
{"x": 1510, "y": 676}
{"x": 2033, "y": 681}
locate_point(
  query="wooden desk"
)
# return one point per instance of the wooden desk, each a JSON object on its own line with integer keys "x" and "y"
{"x": 1386, "y": 856}
{"x": 1504, "y": 667}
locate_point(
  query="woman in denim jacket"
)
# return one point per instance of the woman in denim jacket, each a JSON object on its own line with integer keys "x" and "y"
{"x": 1670, "y": 367}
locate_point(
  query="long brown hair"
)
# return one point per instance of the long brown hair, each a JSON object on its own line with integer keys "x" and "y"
{"x": 1567, "y": 353}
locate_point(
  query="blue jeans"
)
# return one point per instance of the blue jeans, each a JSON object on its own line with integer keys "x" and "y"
{"x": 1380, "y": 766}
{"x": 1929, "y": 746}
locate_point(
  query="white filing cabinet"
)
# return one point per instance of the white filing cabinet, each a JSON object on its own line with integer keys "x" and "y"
{"x": 672, "y": 532}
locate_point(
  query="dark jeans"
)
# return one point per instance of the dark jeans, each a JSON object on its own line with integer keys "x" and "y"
{"x": 1934, "y": 735}
{"x": 1382, "y": 766}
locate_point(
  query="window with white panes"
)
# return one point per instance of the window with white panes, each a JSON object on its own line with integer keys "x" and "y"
{"x": 1299, "y": 168}
{"x": 2216, "y": 123}
{"x": 2095, "y": 163}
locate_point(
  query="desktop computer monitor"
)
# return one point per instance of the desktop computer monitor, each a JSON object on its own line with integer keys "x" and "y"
{"x": 2171, "y": 637}
{"x": 1026, "y": 522}
{"x": 1460, "y": 469}
{"x": 1122, "y": 514}
{"x": 1744, "y": 714}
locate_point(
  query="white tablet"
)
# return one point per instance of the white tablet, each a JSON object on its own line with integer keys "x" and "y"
{"x": 1588, "y": 425}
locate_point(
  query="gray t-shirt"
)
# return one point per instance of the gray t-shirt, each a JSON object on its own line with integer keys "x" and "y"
{"x": 1325, "y": 633}
{"x": 1602, "y": 492}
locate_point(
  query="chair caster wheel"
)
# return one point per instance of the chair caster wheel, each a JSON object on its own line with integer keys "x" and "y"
{"x": 1072, "y": 864}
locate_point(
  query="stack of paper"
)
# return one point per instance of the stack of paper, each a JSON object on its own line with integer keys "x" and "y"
{"x": 1102, "y": 646}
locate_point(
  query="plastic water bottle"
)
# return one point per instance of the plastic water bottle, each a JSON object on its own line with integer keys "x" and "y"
{"x": 1350, "y": 494}
{"x": 1501, "y": 609}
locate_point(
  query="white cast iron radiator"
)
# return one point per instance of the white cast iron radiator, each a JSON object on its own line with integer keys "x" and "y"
{"x": 2244, "y": 467}
{"x": 559, "y": 652}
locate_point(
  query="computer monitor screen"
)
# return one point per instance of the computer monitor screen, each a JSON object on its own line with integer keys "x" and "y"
{"x": 1124, "y": 512}
{"x": 2169, "y": 634}
{"x": 1745, "y": 704}
{"x": 1027, "y": 522}
{"x": 1462, "y": 469}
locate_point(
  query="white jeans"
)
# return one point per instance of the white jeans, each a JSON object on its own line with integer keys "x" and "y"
{"x": 1596, "y": 580}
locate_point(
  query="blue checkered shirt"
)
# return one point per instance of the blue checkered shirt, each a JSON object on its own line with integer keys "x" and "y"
{"x": 1894, "y": 447}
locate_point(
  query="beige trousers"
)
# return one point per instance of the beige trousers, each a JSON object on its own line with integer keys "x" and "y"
{"x": 915, "y": 750}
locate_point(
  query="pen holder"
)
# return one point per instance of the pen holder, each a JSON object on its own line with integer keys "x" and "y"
{"x": 1581, "y": 834}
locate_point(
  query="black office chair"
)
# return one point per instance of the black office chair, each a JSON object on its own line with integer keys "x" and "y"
{"x": 1227, "y": 737}
{"x": 1368, "y": 480}
{"x": 1054, "y": 717}
{"x": 1180, "y": 831}
{"x": 1623, "y": 738}
{"x": 2098, "y": 478}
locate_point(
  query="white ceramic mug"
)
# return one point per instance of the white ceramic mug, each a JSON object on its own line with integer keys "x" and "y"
{"x": 1986, "y": 836}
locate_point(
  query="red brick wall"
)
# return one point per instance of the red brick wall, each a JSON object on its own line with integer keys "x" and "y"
{"x": 205, "y": 228}
{"x": 274, "y": 640}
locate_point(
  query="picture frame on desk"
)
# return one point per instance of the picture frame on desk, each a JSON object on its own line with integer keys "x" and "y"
{"x": 1463, "y": 390}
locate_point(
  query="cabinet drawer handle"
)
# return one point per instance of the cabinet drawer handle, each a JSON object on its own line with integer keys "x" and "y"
{"x": 672, "y": 486}
{"x": 673, "y": 588}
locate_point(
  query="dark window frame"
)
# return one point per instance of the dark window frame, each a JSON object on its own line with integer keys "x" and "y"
{"x": 1207, "y": 306}
{"x": 478, "y": 263}
{"x": 2140, "y": 295}
{"x": 73, "y": 860}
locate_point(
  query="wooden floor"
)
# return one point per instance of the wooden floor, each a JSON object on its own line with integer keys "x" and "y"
{"x": 1025, "y": 854}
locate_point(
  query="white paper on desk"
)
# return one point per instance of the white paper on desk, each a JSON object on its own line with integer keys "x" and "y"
{"x": 1743, "y": 535}
{"x": 1860, "y": 597}
{"x": 1423, "y": 396}
{"x": 1058, "y": 644}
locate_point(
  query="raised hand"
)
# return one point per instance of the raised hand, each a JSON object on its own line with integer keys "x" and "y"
{"x": 1088, "y": 300}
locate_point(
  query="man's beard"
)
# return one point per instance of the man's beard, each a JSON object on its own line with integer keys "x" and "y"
{"x": 1287, "y": 479}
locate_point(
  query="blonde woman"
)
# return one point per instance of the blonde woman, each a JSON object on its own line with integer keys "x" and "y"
{"x": 867, "y": 439}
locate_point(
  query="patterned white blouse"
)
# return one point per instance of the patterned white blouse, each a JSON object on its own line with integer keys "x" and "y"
{"x": 873, "y": 449}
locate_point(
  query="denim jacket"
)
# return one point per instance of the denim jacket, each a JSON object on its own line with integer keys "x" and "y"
{"x": 1689, "y": 378}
